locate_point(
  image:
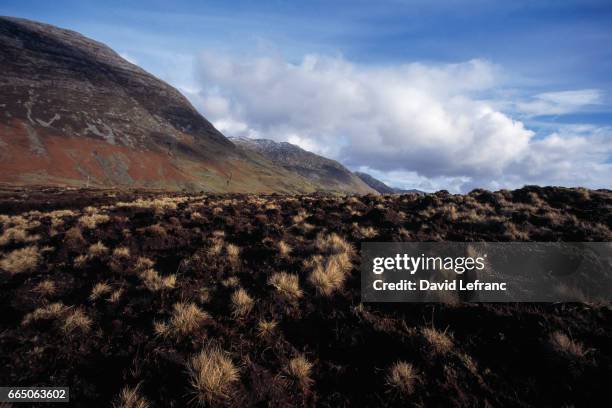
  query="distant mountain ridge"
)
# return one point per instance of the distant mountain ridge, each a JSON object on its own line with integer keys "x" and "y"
{"x": 381, "y": 187}
{"x": 327, "y": 174}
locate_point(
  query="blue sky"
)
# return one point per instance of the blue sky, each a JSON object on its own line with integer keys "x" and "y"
{"x": 424, "y": 94}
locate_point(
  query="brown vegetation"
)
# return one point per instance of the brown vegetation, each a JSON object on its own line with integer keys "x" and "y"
{"x": 287, "y": 285}
{"x": 299, "y": 369}
{"x": 130, "y": 398}
{"x": 402, "y": 376}
{"x": 185, "y": 320}
{"x": 157, "y": 299}
{"x": 242, "y": 303}
{"x": 212, "y": 375}
{"x": 21, "y": 260}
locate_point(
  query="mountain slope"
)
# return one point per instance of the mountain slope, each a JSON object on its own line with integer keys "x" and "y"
{"x": 376, "y": 184}
{"x": 327, "y": 174}
{"x": 73, "y": 112}
{"x": 381, "y": 187}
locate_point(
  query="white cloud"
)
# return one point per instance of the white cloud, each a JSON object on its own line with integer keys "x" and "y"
{"x": 424, "y": 124}
{"x": 412, "y": 180}
{"x": 558, "y": 103}
{"x": 574, "y": 156}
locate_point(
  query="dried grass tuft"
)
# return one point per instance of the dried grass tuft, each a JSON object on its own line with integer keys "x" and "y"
{"x": 287, "y": 285}
{"x": 266, "y": 328}
{"x": 402, "y": 376}
{"x": 299, "y": 368}
{"x": 21, "y": 260}
{"x": 130, "y": 397}
{"x": 563, "y": 344}
{"x": 186, "y": 319}
{"x": 100, "y": 289}
{"x": 242, "y": 303}
{"x": 213, "y": 375}
{"x": 440, "y": 342}
{"x": 77, "y": 321}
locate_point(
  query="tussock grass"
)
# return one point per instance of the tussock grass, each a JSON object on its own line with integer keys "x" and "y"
{"x": 326, "y": 281}
{"x": 57, "y": 217}
{"x": 116, "y": 295}
{"x": 100, "y": 289}
{"x": 368, "y": 232}
{"x": 440, "y": 342}
{"x": 51, "y": 311}
{"x": 76, "y": 321}
{"x": 21, "y": 222}
{"x": 284, "y": 249}
{"x": 121, "y": 253}
{"x": 80, "y": 261}
{"x": 340, "y": 261}
{"x": 300, "y": 369}
{"x": 333, "y": 244}
{"x": 98, "y": 249}
{"x": 130, "y": 397}
{"x": 21, "y": 260}
{"x": 299, "y": 217}
{"x": 328, "y": 275}
{"x": 17, "y": 235}
{"x": 329, "y": 270}
{"x": 564, "y": 345}
{"x": 61, "y": 213}
{"x": 212, "y": 376}
{"x": 46, "y": 288}
{"x": 119, "y": 262}
{"x": 233, "y": 254}
{"x": 287, "y": 285}
{"x": 402, "y": 377}
{"x": 186, "y": 319}
{"x": 266, "y": 328}
{"x": 242, "y": 303}
{"x": 159, "y": 205}
{"x": 231, "y": 282}
{"x": 91, "y": 221}
{"x": 154, "y": 282}
{"x": 56, "y": 223}
{"x": 143, "y": 263}
{"x": 306, "y": 227}
{"x": 90, "y": 210}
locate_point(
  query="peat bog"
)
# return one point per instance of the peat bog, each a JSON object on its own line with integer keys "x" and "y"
{"x": 140, "y": 298}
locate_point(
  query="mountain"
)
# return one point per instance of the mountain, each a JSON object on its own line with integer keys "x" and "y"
{"x": 327, "y": 174}
{"x": 381, "y": 187}
{"x": 74, "y": 113}
{"x": 376, "y": 184}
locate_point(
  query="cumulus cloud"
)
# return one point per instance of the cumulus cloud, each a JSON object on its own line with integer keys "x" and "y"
{"x": 572, "y": 156}
{"x": 413, "y": 123}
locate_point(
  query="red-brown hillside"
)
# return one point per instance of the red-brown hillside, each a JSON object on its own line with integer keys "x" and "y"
{"x": 73, "y": 112}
